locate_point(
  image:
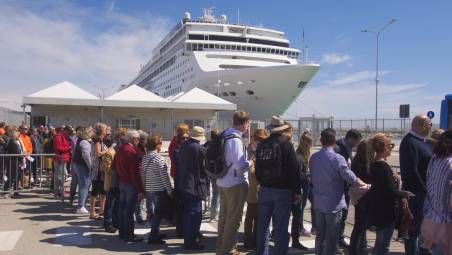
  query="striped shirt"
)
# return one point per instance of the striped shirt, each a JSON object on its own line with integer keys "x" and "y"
{"x": 154, "y": 173}
{"x": 438, "y": 204}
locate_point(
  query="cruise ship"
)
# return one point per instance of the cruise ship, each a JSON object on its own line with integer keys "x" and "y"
{"x": 251, "y": 66}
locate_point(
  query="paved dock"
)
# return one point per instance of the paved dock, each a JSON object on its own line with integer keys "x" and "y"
{"x": 37, "y": 223}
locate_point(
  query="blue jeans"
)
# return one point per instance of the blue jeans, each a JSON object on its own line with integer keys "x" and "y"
{"x": 111, "y": 211}
{"x": 192, "y": 218}
{"x": 416, "y": 205}
{"x": 84, "y": 181}
{"x": 307, "y": 195}
{"x": 215, "y": 199}
{"x": 328, "y": 227}
{"x": 137, "y": 211}
{"x": 275, "y": 203}
{"x": 150, "y": 204}
{"x": 127, "y": 201}
{"x": 383, "y": 240}
{"x": 153, "y": 198}
{"x": 58, "y": 177}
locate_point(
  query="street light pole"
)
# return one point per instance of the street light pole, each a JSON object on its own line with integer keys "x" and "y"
{"x": 377, "y": 37}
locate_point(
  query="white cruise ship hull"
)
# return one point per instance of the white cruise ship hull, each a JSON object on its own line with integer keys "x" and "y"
{"x": 261, "y": 91}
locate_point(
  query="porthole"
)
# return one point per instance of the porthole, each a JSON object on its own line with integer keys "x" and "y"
{"x": 225, "y": 94}
{"x": 250, "y": 92}
{"x": 232, "y": 93}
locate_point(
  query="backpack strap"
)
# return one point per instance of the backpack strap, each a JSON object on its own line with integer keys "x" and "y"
{"x": 224, "y": 139}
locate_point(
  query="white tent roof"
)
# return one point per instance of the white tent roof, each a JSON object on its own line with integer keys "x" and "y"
{"x": 197, "y": 97}
{"x": 135, "y": 96}
{"x": 136, "y": 93}
{"x": 64, "y": 93}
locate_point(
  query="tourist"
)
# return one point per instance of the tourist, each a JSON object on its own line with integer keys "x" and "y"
{"x": 74, "y": 179}
{"x": 414, "y": 155}
{"x": 433, "y": 139}
{"x": 127, "y": 164}
{"x": 215, "y": 196}
{"x": 384, "y": 193}
{"x": 233, "y": 187}
{"x": 193, "y": 186}
{"x": 14, "y": 163}
{"x": 62, "y": 151}
{"x": 25, "y": 140}
{"x": 156, "y": 183}
{"x": 251, "y": 217}
{"x": 111, "y": 211}
{"x": 360, "y": 166}
{"x": 82, "y": 165}
{"x": 329, "y": 170}
{"x": 277, "y": 172}
{"x": 303, "y": 153}
{"x": 141, "y": 149}
{"x": 436, "y": 231}
{"x": 37, "y": 149}
{"x": 182, "y": 135}
{"x": 97, "y": 176}
{"x": 344, "y": 147}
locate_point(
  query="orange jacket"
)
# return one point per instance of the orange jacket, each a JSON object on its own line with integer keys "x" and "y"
{"x": 27, "y": 146}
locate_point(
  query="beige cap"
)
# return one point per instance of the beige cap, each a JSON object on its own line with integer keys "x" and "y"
{"x": 198, "y": 134}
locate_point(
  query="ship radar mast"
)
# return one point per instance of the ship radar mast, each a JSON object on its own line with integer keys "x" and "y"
{"x": 208, "y": 15}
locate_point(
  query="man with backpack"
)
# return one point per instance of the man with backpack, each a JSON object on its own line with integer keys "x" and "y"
{"x": 278, "y": 174}
{"x": 232, "y": 183}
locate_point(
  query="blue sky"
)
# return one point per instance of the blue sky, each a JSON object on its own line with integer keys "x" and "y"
{"x": 100, "y": 44}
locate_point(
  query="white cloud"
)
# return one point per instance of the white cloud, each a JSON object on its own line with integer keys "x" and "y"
{"x": 353, "y": 78}
{"x": 334, "y": 58}
{"x": 39, "y": 48}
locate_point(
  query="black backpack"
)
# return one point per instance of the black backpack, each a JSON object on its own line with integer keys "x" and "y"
{"x": 215, "y": 164}
{"x": 268, "y": 163}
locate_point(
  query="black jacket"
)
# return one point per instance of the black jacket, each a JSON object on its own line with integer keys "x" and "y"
{"x": 383, "y": 195}
{"x": 414, "y": 155}
{"x": 289, "y": 166}
{"x": 191, "y": 176}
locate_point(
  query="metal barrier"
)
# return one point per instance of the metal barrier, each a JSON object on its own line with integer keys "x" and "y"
{"x": 20, "y": 172}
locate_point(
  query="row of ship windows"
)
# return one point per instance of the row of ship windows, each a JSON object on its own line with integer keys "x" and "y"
{"x": 172, "y": 92}
{"x": 233, "y": 93}
{"x": 200, "y": 47}
{"x": 177, "y": 76}
{"x": 236, "y": 39}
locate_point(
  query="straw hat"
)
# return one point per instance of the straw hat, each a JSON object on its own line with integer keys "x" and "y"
{"x": 198, "y": 134}
{"x": 277, "y": 124}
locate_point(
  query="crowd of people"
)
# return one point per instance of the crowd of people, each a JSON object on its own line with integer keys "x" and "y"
{"x": 270, "y": 176}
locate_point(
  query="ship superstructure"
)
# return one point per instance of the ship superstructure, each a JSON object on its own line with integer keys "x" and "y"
{"x": 251, "y": 66}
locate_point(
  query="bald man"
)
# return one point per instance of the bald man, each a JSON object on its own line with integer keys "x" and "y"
{"x": 414, "y": 155}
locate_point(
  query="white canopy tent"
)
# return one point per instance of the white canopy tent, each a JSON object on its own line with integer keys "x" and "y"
{"x": 134, "y": 107}
{"x": 64, "y": 93}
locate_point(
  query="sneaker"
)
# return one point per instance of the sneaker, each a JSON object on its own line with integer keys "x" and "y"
{"x": 343, "y": 244}
{"x": 110, "y": 229}
{"x": 82, "y": 211}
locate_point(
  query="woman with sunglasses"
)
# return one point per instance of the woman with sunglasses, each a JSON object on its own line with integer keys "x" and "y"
{"x": 384, "y": 194}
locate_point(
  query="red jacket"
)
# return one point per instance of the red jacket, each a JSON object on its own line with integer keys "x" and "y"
{"x": 127, "y": 165}
{"x": 61, "y": 148}
{"x": 172, "y": 146}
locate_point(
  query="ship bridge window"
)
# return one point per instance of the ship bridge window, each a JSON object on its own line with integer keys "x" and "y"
{"x": 248, "y": 48}
{"x": 228, "y": 47}
{"x": 217, "y": 46}
{"x": 211, "y": 46}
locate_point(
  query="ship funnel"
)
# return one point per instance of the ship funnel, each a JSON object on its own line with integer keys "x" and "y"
{"x": 187, "y": 16}
{"x": 223, "y": 19}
